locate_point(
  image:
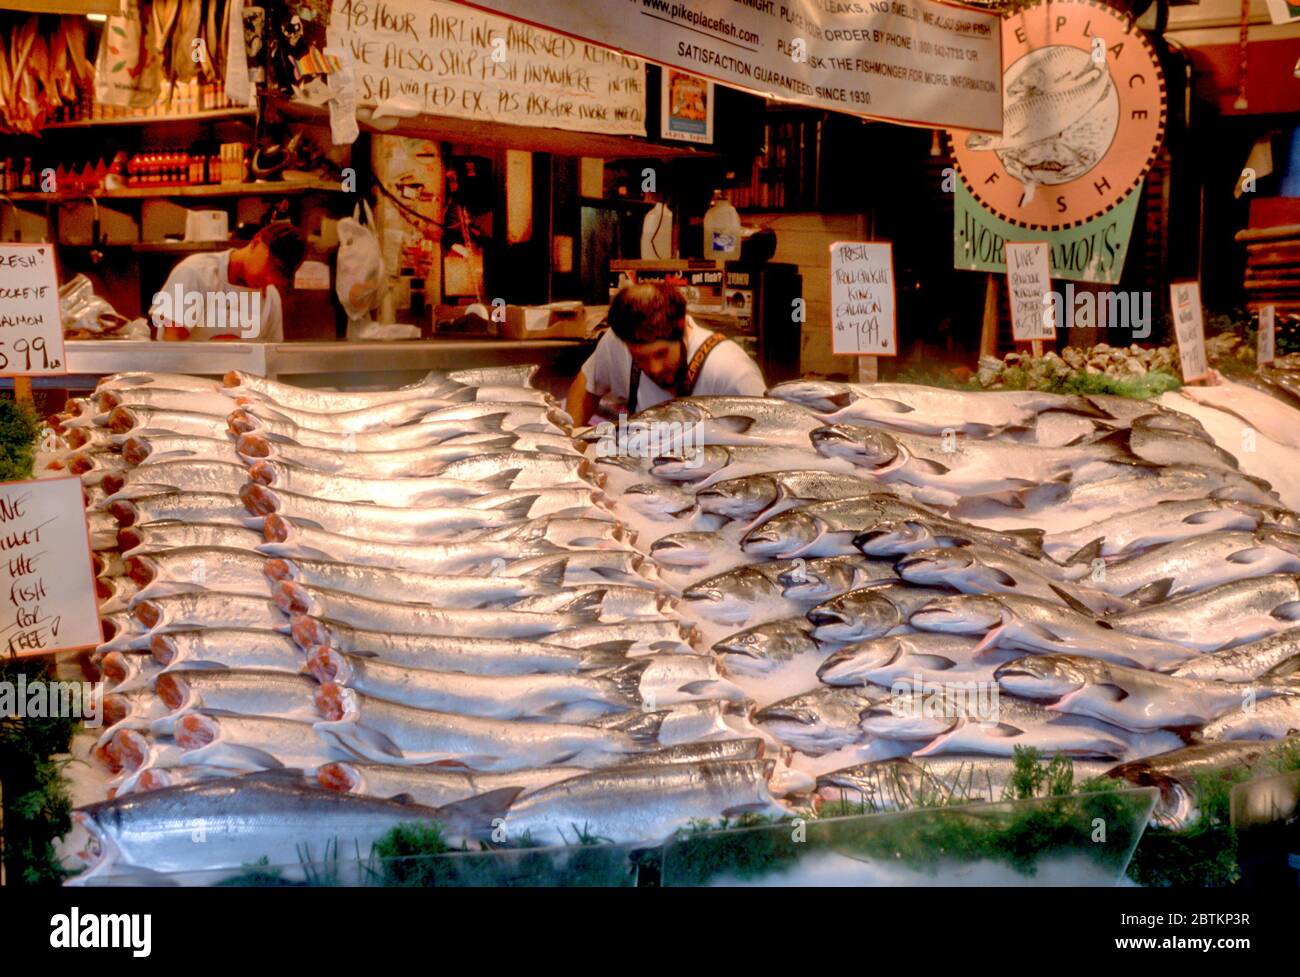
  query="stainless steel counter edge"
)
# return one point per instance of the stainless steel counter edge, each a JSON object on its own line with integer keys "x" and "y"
{"x": 99, "y": 357}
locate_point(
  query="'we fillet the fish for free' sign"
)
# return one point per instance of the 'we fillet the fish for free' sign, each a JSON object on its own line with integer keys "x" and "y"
{"x": 1029, "y": 285}
{"x": 1190, "y": 330}
{"x": 48, "y": 583}
{"x": 863, "y": 320}
{"x": 31, "y": 327}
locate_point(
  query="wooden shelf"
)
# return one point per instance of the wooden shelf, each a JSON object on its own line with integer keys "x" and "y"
{"x": 179, "y": 247}
{"x": 265, "y": 188}
{"x": 214, "y": 115}
{"x": 538, "y": 139}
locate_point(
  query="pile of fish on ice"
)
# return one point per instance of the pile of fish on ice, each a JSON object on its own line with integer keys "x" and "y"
{"x": 908, "y": 583}
{"x": 327, "y": 613}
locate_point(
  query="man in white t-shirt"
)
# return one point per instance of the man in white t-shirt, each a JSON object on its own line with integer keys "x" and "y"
{"x": 653, "y": 351}
{"x": 231, "y": 295}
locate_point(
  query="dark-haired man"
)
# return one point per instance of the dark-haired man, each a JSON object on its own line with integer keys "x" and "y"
{"x": 653, "y": 351}
{"x": 210, "y": 296}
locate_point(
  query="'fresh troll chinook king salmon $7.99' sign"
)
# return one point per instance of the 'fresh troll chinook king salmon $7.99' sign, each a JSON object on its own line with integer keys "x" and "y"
{"x": 917, "y": 61}
{"x": 1083, "y": 119}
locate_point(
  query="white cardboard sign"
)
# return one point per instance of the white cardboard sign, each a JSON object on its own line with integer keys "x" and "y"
{"x": 31, "y": 327}
{"x": 1265, "y": 341}
{"x": 1190, "y": 329}
{"x": 47, "y": 577}
{"x": 863, "y": 321}
{"x": 1029, "y": 285}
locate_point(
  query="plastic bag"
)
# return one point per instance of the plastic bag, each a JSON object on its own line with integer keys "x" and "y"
{"x": 359, "y": 279}
{"x": 128, "y": 66}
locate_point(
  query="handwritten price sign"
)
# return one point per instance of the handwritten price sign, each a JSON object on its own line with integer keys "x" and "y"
{"x": 1189, "y": 328}
{"x": 862, "y": 299}
{"x": 31, "y": 328}
{"x": 48, "y": 584}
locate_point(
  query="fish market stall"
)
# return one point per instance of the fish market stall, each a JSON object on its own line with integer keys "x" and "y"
{"x": 427, "y": 625}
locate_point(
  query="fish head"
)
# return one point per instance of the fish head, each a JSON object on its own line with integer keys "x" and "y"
{"x": 958, "y": 614}
{"x": 823, "y": 396}
{"x": 1288, "y": 542}
{"x": 883, "y": 785}
{"x": 865, "y": 447}
{"x": 894, "y": 537}
{"x": 690, "y": 465}
{"x": 856, "y": 663}
{"x": 935, "y": 566}
{"x": 738, "y": 498}
{"x": 786, "y": 534}
{"x": 906, "y": 715}
{"x": 684, "y": 549}
{"x": 762, "y": 648}
{"x": 654, "y": 499}
{"x": 818, "y": 721}
{"x": 1040, "y": 676}
{"x": 854, "y": 616}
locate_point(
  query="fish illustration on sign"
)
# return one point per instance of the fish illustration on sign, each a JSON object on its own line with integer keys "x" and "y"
{"x": 1060, "y": 114}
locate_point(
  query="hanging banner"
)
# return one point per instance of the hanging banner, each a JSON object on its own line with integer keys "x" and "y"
{"x": 915, "y": 61}
{"x": 1092, "y": 252}
{"x": 441, "y": 58}
{"x": 1084, "y": 116}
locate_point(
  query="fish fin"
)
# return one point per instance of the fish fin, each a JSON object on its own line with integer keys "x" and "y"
{"x": 1290, "y": 611}
{"x": 516, "y": 508}
{"x": 492, "y": 423}
{"x": 1071, "y": 601}
{"x": 551, "y": 574}
{"x": 732, "y": 423}
{"x": 612, "y": 574}
{"x": 893, "y": 406}
{"x": 1103, "y": 692}
{"x": 502, "y": 481}
{"x": 1197, "y": 518}
{"x": 403, "y": 799}
{"x": 739, "y": 809}
{"x": 1151, "y": 593}
{"x": 938, "y": 663}
{"x": 1087, "y": 552}
{"x": 369, "y": 738}
{"x": 642, "y": 727}
{"x": 627, "y": 678}
{"x": 474, "y": 815}
{"x": 621, "y": 647}
{"x": 1252, "y": 554}
{"x": 235, "y": 756}
{"x": 586, "y": 608}
{"x": 1010, "y": 499}
{"x": 1031, "y": 540}
{"x": 465, "y": 395}
{"x": 928, "y": 466}
{"x": 1002, "y": 577}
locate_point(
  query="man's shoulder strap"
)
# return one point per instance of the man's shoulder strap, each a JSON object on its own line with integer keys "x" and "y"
{"x": 697, "y": 361}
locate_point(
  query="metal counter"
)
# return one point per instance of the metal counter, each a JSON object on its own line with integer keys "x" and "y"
{"x": 337, "y": 364}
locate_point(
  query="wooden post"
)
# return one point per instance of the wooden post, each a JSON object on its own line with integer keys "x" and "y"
{"x": 23, "y": 390}
{"x": 1036, "y": 346}
{"x": 989, "y": 332}
{"x": 868, "y": 369}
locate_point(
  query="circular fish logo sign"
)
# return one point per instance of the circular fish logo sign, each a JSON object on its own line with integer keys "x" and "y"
{"x": 1083, "y": 115}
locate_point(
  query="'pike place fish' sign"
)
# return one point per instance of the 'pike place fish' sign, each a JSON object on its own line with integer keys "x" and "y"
{"x": 1083, "y": 118}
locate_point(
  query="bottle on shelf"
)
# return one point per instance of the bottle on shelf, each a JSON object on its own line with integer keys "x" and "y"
{"x": 721, "y": 230}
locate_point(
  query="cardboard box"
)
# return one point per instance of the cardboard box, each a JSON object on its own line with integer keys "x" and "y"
{"x": 560, "y": 320}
